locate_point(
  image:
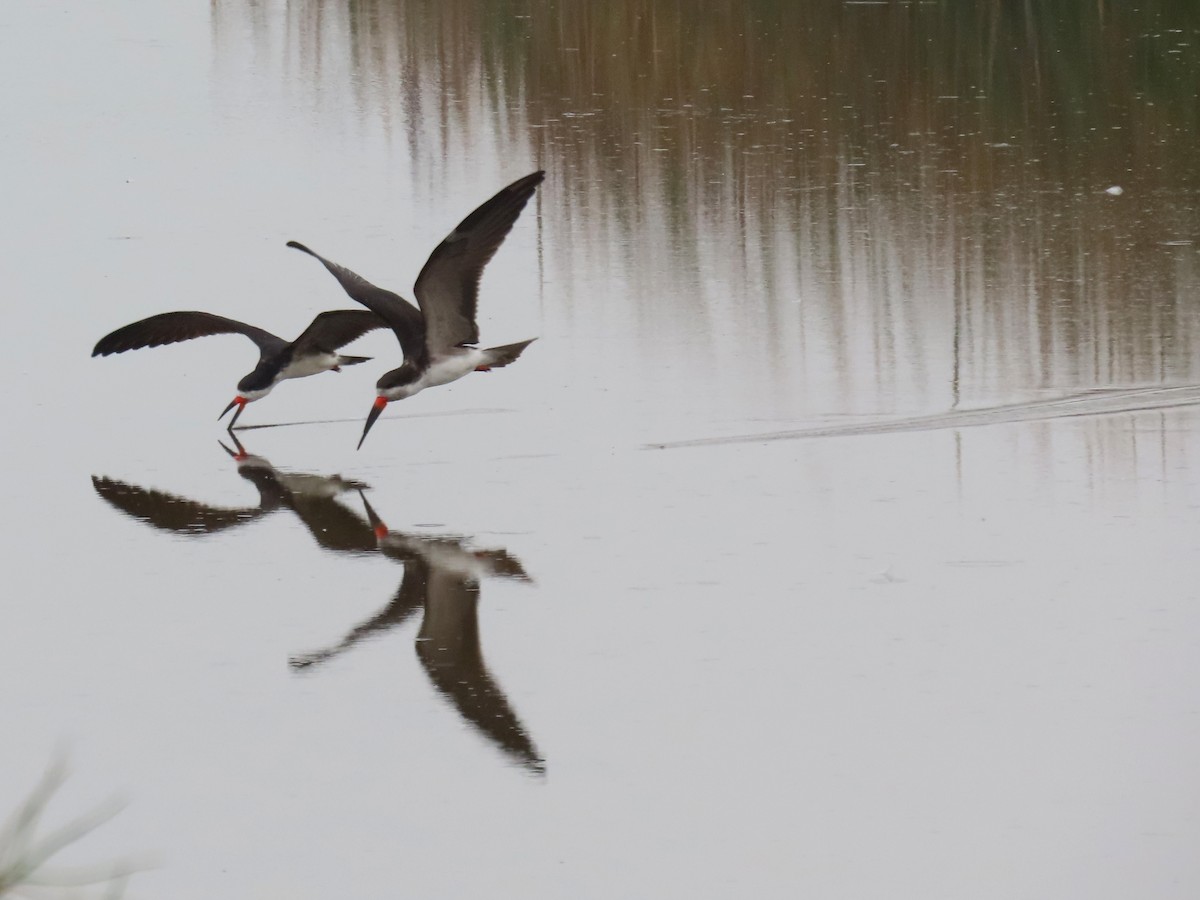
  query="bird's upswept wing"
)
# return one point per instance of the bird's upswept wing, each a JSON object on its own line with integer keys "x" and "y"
{"x": 448, "y": 287}
{"x": 400, "y": 315}
{"x": 334, "y": 329}
{"x": 172, "y": 327}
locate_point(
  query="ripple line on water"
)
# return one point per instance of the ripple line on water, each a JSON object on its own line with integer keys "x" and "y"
{"x": 1100, "y": 402}
{"x": 428, "y": 415}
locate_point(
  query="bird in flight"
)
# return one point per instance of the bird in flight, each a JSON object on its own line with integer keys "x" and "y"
{"x": 311, "y": 353}
{"x": 439, "y": 339}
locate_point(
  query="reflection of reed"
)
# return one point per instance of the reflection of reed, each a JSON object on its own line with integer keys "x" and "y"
{"x": 907, "y": 196}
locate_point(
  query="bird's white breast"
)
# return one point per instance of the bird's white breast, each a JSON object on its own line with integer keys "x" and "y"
{"x": 452, "y": 367}
{"x": 309, "y": 364}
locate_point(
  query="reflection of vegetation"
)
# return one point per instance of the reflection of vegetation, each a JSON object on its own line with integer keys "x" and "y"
{"x": 24, "y": 855}
{"x": 924, "y": 174}
{"x": 690, "y": 76}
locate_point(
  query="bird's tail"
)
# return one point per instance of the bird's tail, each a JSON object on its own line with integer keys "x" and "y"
{"x": 496, "y": 357}
{"x": 352, "y": 360}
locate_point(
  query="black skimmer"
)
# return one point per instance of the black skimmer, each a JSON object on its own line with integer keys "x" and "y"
{"x": 439, "y": 340}
{"x": 313, "y": 498}
{"x": 278, "y": 360}
{"x": 442, "y": 576}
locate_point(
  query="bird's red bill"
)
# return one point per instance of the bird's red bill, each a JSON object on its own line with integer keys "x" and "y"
{"x": 238, "y": 401}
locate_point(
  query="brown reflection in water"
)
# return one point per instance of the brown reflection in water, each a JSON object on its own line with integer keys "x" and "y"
{"x": 912, "y": 197}
{"x": 312, "y": 498}
{"x": 442, "y": 576}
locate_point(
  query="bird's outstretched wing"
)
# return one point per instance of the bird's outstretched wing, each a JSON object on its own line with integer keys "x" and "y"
{"x": 400, "y": 315}
{"x": 172, "y": 327}
{"x": 448, "y": 287}
{"x": 335, "y": 329}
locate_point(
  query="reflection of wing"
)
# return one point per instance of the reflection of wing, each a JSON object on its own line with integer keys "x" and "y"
{"x": 168, "y": 512}
{"x": 409, "y": 597}
{"x": 448, "y": 647}
{"x": 333, "y": 526}
{"x": 502, "y": 564}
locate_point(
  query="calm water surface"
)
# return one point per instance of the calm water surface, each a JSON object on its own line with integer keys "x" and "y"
{"x": 836, "y": 538}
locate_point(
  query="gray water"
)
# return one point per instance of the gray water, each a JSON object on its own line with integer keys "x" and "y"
{"x": 836, "y": 538}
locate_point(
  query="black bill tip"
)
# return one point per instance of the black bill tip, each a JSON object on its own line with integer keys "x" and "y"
{"x": 238, "y": 401}
{"x": 376, "y": 409}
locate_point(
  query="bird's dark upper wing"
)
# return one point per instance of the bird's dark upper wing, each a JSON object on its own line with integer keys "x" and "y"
{"x": 448, "y": 287}
{"x": 171, "y": 327}
{"x": 400, "y": 315}
{"x": 335, "y": 329}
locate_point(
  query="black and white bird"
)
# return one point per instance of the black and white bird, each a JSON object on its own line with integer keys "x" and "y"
{"x": 439, "y": 340}
{"x": 278, "y": 360}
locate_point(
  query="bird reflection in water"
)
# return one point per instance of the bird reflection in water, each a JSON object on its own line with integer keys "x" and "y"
{"x": 442, "y": 577}
{"x": 313, "y": 499}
